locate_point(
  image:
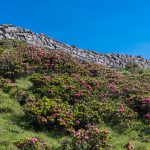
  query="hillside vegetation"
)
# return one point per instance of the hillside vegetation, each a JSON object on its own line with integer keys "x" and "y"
{"x": 51, "y": 101}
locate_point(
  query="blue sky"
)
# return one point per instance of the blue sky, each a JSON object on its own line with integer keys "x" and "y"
{"x": 120, "y": 26}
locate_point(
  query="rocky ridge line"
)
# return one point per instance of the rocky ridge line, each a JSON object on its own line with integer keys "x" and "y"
{"x": 112, "y": 60}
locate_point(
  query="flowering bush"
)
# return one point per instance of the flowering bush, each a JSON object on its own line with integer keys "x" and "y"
{"x": 89, "y": 139}
{"x": 31, "y": 144}
{"x": 51, "y": 113}
{"x": 26, "y": 60}
{"x": 139, "y": 104}
{"x": 11, "y": 64}
{"x": 118, "y": 115}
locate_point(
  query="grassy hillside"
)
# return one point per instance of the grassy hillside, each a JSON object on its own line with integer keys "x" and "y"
{"x": 48, "y": 100}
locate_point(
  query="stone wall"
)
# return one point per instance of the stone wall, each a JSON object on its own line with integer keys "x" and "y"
{"x": 41, "y": 40}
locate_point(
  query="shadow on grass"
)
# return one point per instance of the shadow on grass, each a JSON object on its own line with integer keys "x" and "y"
{"x": 26, "y": 123}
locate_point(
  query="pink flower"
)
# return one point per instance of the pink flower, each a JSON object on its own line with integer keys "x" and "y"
{"x": 121, "y": 109}
{"x": 34, "y": 140}
{"x": 97, "y": 130}
{"x": 78, "y": 134}
{"x": 79, "y": 141}
{"x": 147, "y": 116}
{"x": 67, "y": 122}
{"x": 52, "y": 65}
{"x": 146, "y": 100}
{"x": 69, "y": 116}
{"x": 82, "y": 82}
{"x": 61, "y": 120}
{"x": 77, "y": 94}
{"x": 67, "y": 112}
{"x": 41, "y": 53}
{"x": 88, "y": 86}
{"x": 55, "y": 115}
{"x": 37, "y": 58}
{"x": 86, "y": 137}
{"x": 77, "y": 122}
{"x": 59, "y": 110}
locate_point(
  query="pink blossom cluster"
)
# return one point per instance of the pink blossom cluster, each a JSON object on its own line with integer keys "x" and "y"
{"x": 147, "y": 116}
{"x": 55, "y": 115}
{"x": 44, "y": 58}
{"x": 121, "y": 109}
{"x": 34, "y": 140}
{"x": 88, "y": 135}
{"x": 114, "y": 88}
{"x": 77, "y": 122}
{"x": 146, "y": 100}
{"x": 85, "y": 85}
{"x": 78, "y": 94}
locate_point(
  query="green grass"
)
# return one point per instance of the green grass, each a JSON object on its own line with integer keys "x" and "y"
{"x": 119, "y": 141}
{"x": 23, "y": 83}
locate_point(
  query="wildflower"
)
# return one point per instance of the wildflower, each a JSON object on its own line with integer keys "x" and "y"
{"x": 61, "y": 121}
{"x": 82, "y": 82}
{"x": 77, "y": 122}
{"x": 146, "y": 100}
{"x": 78, "y": 134}
{"x": 59, "y": 110}
{"x": 41, "y": 53}
{"x": 52, "y": 65}
{"x": 147, "y": 116}
{"x": 88, "y": 86}
{"x": 97, "y": 130}
{"x": 49, "y": 92}
{"x": 34, "y": 140}
{"x": 67, "y": 112}
{"x": 77, "y": 94}
{"x": 69, "y": 116}
{"x": 121, "y": 109}
{"x": 86, "y": 137}
{"x": 79, "y": 141}
{"x": 67, "y": 122}
{"x": 55, "y": 115}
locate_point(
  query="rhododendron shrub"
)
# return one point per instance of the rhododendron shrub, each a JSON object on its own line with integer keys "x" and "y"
{"x": 26, "y": 60}
{"x": 66, "y": 87}
{"x": 90, "y": 138}
{"x": 118, "y": 115}
{"x": 51, "y": 113}
{"x": 11, "y": 65}
{"x": 139, "y": 104}
{"x": 32, "y": 144}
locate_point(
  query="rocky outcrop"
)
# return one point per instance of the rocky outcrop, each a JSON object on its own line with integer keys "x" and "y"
{"x": 112, "y": 60}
